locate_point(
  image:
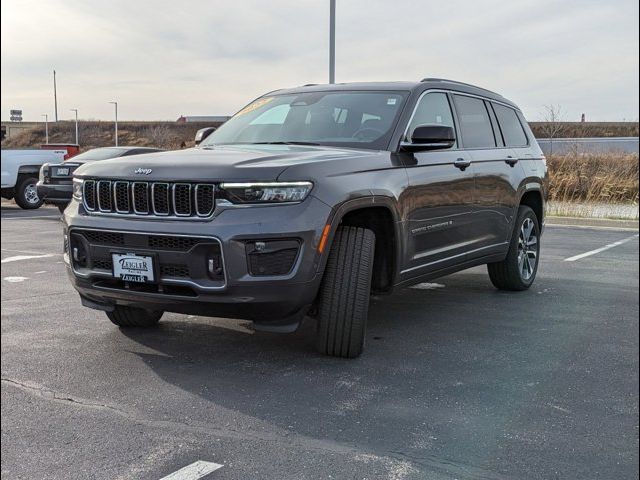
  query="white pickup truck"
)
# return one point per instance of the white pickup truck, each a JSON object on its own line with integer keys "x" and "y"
{"x": 20, "y": 170}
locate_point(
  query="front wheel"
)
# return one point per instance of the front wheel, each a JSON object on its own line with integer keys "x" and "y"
{"x": 343, "y": 302}
{"x": 518, "y": 271}
{"x": 27, "y": 194}
{"x": 134, "y": 317}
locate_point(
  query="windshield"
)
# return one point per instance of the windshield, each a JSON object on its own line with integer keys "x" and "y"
{"x": 97, "y": 154}
{"x": 344, "y": 119}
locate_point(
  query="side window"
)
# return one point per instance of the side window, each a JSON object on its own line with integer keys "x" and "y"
{"x": 510, "y": 125}
{"x": 475, "y": 124}
{"x": 433, "y": 109}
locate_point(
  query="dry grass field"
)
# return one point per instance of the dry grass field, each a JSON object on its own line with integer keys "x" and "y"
{"x": 598, "y": 178}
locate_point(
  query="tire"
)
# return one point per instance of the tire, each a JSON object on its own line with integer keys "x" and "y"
{"x": 343, "y": 301}
{"x": 518, "y": 270}
{"x": 134, "y": 317}
{"x": 62, "y": 207}
{"x": 27, "y": 194}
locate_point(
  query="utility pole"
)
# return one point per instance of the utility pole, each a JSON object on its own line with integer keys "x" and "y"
{"x": 55, "y": 95}
{"x": 46, "y": 128}
{"x": 332, "y": 41}
{"x": 76, "y": 110}
{"x": 116, "y": 105}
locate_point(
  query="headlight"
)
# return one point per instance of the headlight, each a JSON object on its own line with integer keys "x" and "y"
{"x": 77, "y": 189}
{"x": 273, "y": 192}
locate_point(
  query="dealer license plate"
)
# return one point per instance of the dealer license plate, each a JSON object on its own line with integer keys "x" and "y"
{"x": 62, "y": 171}
{"x": 130, "y": 267}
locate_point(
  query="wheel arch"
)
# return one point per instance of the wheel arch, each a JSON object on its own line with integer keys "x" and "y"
{"x": 379, "y": 214}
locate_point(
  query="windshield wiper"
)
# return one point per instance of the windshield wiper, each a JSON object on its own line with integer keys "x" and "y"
{"x": 285, "y": 143}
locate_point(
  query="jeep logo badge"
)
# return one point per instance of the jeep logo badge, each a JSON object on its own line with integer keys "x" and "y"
{"x": 142, "y": 171}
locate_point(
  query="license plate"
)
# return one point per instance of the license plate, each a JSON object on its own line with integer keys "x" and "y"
{"x": 64, "y": 171}
{"x": 130, "y": 267}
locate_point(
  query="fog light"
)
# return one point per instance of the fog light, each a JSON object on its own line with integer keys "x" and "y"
{"x": 214, "y": 267}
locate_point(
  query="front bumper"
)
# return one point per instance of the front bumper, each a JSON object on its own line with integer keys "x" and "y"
{"x": 238, "y": 293}
{"x": 55, "y": 193}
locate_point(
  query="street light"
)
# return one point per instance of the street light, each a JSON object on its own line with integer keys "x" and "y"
{"x": 116, "y": 105}
{"x": 76, "y": 110}
{"x": 46, "y": 127}
{"x": 332, "y": 41}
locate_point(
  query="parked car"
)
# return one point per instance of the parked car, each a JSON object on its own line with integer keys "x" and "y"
{"x": 307, "y": 201}
{"x": 55, "y": 183}
{"x": 20, "y": 171}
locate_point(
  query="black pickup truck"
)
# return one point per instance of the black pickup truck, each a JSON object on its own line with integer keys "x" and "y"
{"x": 307, "y": 201}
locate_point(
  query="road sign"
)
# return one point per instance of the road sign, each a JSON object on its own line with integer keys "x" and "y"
{"x": 16, "y": 115}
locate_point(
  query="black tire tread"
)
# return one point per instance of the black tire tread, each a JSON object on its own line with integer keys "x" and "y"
{"x": 504, "y": 275}
{"x": 134, "y": 317}
{"x": 344, "y": 294}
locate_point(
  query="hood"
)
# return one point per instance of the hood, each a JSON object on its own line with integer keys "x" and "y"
{"x": 220, "y": 163}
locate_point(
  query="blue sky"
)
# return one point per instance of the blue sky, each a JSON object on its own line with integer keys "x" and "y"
{"x": 161, "y": 59}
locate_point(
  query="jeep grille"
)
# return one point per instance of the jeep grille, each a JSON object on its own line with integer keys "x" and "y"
{"x": 161, "y": 199}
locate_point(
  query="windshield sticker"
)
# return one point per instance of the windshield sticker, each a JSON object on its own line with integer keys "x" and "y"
{"x": 391, "y": 101}
{"x": 254, "y": 106}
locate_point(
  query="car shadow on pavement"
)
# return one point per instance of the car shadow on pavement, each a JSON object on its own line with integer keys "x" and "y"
{"x": 430, "y": 361}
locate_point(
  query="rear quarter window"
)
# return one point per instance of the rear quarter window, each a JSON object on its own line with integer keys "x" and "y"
{"x": 510, "y": 125}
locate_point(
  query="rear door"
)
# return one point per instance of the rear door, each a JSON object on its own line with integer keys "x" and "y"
{"x": 494, "y": 168}
{"x": 439, "y": 199}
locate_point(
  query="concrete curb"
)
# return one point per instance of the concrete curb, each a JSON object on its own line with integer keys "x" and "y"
{"x": 592, "y": 222}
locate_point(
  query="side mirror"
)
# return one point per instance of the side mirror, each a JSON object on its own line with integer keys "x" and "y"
{"x": 430, "y": 137}
{"x": 203, "y": 133}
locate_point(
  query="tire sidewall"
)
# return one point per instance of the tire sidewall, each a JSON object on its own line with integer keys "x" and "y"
{"x": 21, "y": 194}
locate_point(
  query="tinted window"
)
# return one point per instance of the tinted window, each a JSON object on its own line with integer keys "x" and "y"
{"x": 510, "y": 126}
{"x": 341, "y": 118}
{"x": 475, "y": 125}
{"x": 433, "y": 109}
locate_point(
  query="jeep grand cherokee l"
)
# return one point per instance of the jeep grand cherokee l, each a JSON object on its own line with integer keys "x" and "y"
{"x": 308, "y": 200}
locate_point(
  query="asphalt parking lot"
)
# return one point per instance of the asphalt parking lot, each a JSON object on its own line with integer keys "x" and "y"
{"x": 458, "y": 380}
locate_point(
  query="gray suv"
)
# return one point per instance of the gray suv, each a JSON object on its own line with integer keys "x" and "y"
{"x": 306, "y": 202}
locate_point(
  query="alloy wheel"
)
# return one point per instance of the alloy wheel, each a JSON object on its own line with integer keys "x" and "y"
{"x": 527, "y": 249}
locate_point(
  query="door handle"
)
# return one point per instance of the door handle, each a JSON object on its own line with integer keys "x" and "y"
{"x": 511, "y": 161}
{"x": 462, "y": 163}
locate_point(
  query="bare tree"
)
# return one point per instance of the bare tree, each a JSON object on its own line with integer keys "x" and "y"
{"x": 553, "y": 124}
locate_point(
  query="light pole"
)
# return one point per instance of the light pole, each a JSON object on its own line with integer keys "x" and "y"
{"x": 46, "y": 127}
{"x": 116, "y": 106}
{"x": 332, "y": 41}
{"x": 76, "y": 110}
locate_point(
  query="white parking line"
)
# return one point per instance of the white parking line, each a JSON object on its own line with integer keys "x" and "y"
{"x": 194, "y": 471}
{"x": 18, "y": 258}
{"x": 601, "y": 249}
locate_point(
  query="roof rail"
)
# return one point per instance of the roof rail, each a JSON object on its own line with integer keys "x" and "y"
{"x": 458, "y": 83}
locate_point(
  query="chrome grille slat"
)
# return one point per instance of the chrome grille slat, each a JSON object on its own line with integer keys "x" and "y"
{"x": 204, "y": 199}
{"x": 89, "y": 194}
{"x": 105, "y": 198}
{"x": 179, "y": 200}
{"x": 140, "y": 196}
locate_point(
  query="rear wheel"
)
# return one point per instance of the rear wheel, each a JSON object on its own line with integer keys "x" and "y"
{"x": 518, "y": 270}
{"x": 134, "y": 317}
{"x": 27, "y": 194}
{"x": 343, "y": 302}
